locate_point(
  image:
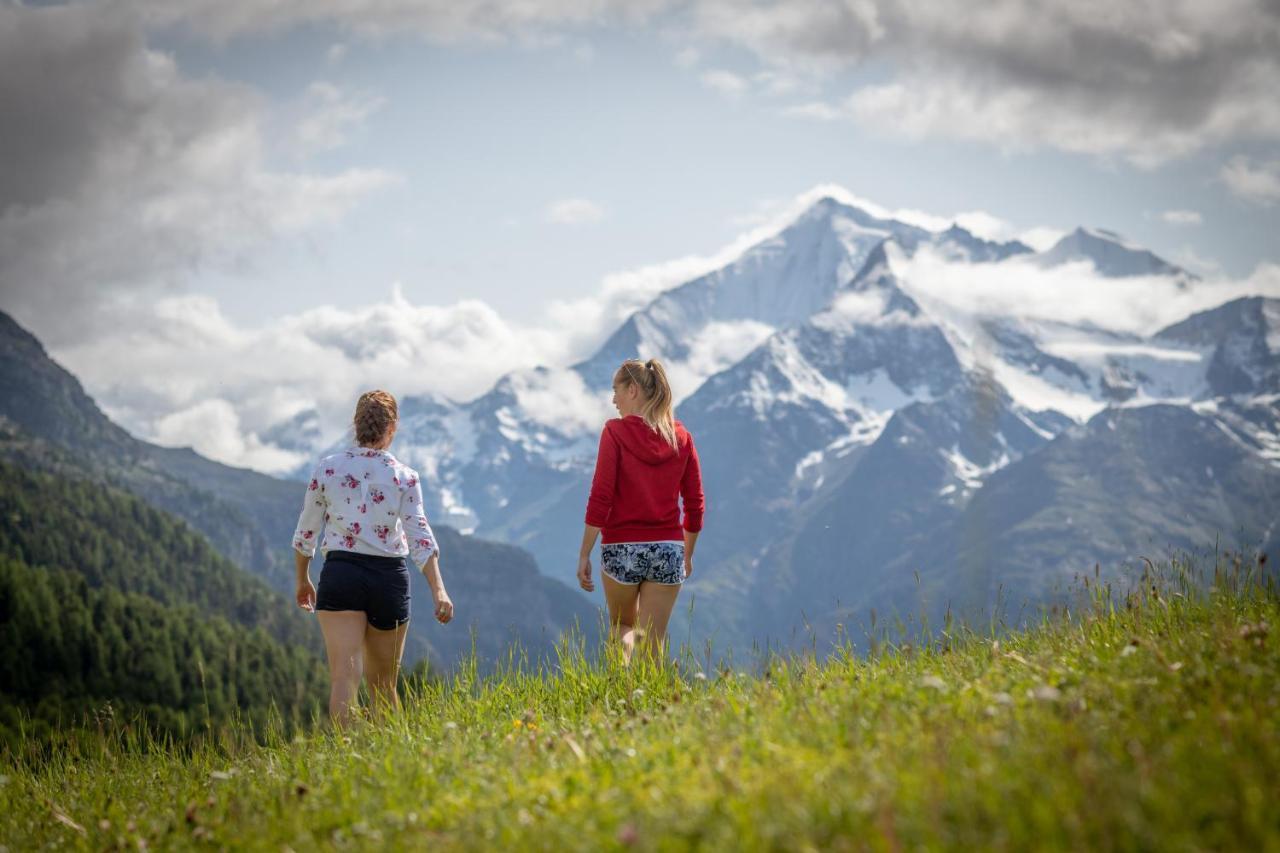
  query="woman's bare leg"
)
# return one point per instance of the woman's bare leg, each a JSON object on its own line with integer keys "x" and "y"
{"x": 656, "y": 601}
{"x": 382, "y": 653}
{"x": 343, "y": 643}
{"x": 621, "y": 600}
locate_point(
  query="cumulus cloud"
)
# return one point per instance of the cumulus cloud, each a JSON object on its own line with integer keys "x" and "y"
{"x": 1256, "y": 182}
{"x": 123, "y": 176}
{"x": 1147, "y": 82}
{"x": 686, "y": 57}
{"x": 716, "y": 347}
{"x": 817, "y": 110}
{"x": 212, "y": 428}
{"x": 725, "y": 82}
{"x": 1041, "y": 237}
{"x": 175, "y": 368}
{"x": 1182, "y": 217}
{"x": 330, "y": 115}
{"x": 574, "y": 211}
{"x": 221, "y": 20}
{"x": 1143, "y": 81}
{"x": 560, "y": 399}
{"x": 1187, "y": 258}
{"x": 1071, "y": 293}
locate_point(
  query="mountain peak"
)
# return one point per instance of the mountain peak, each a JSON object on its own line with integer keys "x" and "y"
{"x": 1111, "y": 255}
{"x": 40, "y": 396}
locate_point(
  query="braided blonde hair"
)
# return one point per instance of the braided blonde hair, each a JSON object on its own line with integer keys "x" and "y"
{"x": 658, "y": 410}
{"x": 376, "y": 413}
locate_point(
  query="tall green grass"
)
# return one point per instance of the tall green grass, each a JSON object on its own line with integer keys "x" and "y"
{"x": 1147, "y": 718}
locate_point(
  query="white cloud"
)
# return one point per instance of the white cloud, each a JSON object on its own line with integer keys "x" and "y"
{"x": 574, "y": 211}
{"x": 778, "y": 83}
{"x": 1148, "y": 83}
{"x": 1182, "y": 217}
{"x": 336, "y": 53}
{"x": 716, "y": 347}
{"x": 172, "y": 369}
{"x": 1015, "y": 116}
{"x": 1258, "y": 182}
{"x": 1143, "y": 81}
{"x": 985, "y": 225}
{"x": 817, "y": 110}
{"x": 560, "y": 399}
{"x": 330, "y": 115}
{"x": 1188, "y": 258}
{"x": 687, "y": 57}
{"x": 486, "y": 20}
{"x": 725, "y": 82}
{"x": 1041, "y": 237}
{"x": 212, "y": 428}
{"x": 1071, "y": 293}
{"x": 129, "y": 175}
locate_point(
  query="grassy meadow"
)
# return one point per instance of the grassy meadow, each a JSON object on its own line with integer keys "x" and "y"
{"x": 1149, "y": 720}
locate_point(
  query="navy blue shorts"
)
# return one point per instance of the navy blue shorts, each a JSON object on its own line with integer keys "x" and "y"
{"x": 377, "y": 585}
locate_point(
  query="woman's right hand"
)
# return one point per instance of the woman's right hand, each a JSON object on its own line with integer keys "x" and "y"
{"x": 306, "y": 595}
{"x": 584, "y": 574}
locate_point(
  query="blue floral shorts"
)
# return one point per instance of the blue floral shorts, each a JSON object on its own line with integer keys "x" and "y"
{"x": 632, "y": 562}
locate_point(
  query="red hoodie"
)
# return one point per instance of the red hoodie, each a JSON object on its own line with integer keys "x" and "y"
{"x": 638, "y": 478}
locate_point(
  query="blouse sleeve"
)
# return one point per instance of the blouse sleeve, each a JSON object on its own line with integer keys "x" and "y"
{"x": 311, "y": 519}
{"x": 417, "y": 530}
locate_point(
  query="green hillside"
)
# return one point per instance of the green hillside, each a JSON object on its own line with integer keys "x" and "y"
{"x": 1143, "y": 722}
{"x": 173, "y": 670}
{"x": 117, "y": 540}
{"x": 104, "y": 599}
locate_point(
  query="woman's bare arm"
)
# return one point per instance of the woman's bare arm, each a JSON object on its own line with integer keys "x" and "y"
{"x": 444, "y": 604}
{"x": 589, "y": 536}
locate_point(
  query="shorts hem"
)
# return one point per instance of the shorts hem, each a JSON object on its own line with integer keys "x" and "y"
{"x": 399, "y": 622}
{"x": 643, "y": 580}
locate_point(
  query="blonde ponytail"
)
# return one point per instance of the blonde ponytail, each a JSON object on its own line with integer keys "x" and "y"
{"x": 658, "y": 410}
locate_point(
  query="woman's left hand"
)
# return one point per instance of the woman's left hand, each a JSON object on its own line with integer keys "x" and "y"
{"x": 584, "y": 574}
{"x": 444, "y": 607}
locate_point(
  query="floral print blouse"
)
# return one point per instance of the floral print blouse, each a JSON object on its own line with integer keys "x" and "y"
{"x": 365, "y": 501}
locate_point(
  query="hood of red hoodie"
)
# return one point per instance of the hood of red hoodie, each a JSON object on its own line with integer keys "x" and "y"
{"x": 644, "y": 442}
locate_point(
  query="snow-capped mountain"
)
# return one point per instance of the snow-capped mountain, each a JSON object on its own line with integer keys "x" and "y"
{"x": 538, "y": 428}
{"x": 848, "y": 425}
{"x": 1109, "y": 254}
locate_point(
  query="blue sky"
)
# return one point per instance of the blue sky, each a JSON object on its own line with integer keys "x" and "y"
{"x": 219, "y": 213}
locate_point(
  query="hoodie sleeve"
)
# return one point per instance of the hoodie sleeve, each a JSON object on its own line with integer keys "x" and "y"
{"x": 603, "y": 484}
{"x": 691, "y": 491}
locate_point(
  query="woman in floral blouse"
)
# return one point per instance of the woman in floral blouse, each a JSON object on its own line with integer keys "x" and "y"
{"x": 369, "y": 506}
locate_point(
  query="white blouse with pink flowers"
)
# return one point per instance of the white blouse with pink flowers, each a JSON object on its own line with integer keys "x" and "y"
{"x": 368, "y": 502}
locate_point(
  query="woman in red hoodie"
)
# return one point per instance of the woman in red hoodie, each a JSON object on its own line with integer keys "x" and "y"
{"x": 646, "y": 465}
